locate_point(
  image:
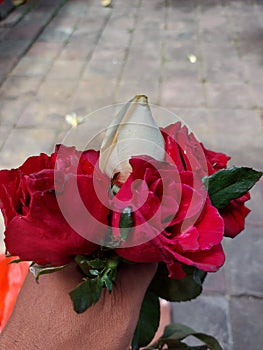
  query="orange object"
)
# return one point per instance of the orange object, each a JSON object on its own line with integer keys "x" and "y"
{"x": 12, "y": 277}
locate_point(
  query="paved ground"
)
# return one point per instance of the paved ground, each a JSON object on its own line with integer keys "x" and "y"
{"x": 58, "y": 57}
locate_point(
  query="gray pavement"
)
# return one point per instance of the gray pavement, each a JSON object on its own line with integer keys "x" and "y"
{"x": 59, "y": 57}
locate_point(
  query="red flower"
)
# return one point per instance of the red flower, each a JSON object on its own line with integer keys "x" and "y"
{"x": 189, "y": 154}
{"x": 180, "y": 223}
{"x": 234, "y": 216}
{"x": 215, "y": 160}
{"x": 35, "y": 226}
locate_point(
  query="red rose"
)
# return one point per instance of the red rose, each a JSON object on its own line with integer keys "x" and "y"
{"x": 182, "y": 225}
{"x": 35, "y": 227}
{"x": 189, "y": 154}
{"x": 215, "y": 160}
{"x": 184, "y": 150}
{"x": 234, "y": 216}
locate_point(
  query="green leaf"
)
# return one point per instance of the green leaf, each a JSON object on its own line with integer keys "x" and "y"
{"x": 16, "y": 261}
{"x": 210, "y": 341}
{"x": 86, "y": 294}
{"x": 39, "y": 270}
{"x": 148, "y": 321}
{"x": 228, "y": 184}
{"x": 185, "y": 289}
{"x": 179, "y": 332}
{"x": 176, "y": 331}
{"x": 125, "y": 223}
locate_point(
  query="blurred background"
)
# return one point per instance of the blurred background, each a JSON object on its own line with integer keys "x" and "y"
{"x": 201, "y": 59}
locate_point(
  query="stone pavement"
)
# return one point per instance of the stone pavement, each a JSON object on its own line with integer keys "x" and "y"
{"x": 59, "y": 57}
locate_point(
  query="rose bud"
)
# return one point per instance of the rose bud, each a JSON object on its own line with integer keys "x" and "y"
{"x": 133, "y": 132}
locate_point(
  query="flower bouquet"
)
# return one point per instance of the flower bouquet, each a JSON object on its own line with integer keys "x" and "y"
{"x": 149, "y": 195}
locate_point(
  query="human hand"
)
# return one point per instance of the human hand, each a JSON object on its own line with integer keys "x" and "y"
{"x": 43, "y": 317}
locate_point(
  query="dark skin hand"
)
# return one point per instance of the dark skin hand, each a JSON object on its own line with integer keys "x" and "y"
{"x": 43, "y": 318}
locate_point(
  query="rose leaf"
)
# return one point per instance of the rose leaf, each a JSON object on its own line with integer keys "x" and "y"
{"x": 185, "y": 289}
{"x": 86, "y": 294}
{"x": 228, "y": 184}
{"x": 148, "y": 321}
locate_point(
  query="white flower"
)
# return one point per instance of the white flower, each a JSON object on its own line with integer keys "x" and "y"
{"x": 133, "y": 132}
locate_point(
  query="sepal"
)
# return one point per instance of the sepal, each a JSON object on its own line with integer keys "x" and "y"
{"x": 38, "y": 270}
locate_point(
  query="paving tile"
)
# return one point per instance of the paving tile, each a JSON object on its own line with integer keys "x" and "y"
{"x": 255, "y": 217}
{"x": 63, "y": 21}
{"x": 247, "y": 323}
{"x": 235, "y": 95}
{"x": 3, "y": 32}
{"x": 211, "y": 21}
{"x": 198, "y": 122}
{"x": 244, "y": 273}
{"x": 226, "y": 70}
{"x": 75, "y": 51}
{"x": 182, "y": 71}
{"x": 107, "y": 53}
{"x": 232, "y": 133}
{"x": 257, "y": 89}
{"x": 129, "y": 88}
{"x": 249, "y": 46}
{"x": 13, "y": 48}
{"x": 11, "y": 109}
{"x": 56, "y": 90}
{"x": 210, "y": 36}
{"x": 87, "y": 35}
{"x": 49, "y": 3}
{"x": 180, "y": 51}
{"x": 215, "y": 283}
{"x": 182, "y": 94}
{"x": 32, "y": 67}
{"x": 13, "y": 18}
{"x": 38, "y": 15}
{"x": 127, "y": 4}
{"x": 63, "y": 69}
{"x": 24, "y": 31}
{"x": 54, "y": 33}
{"x": 78, "y": 10}
{"x": 216, "y": 48}
{"x": 93, "y": 93}
{"x": 254, "y": 70}
{"x": 183, "y": 7}
{"x": 6, "y": 64}
{"x": 20, "y": 86}
{"x": 116, "y": 37}
{"x": 208, "y": 314}
{"x": 181, "y": 32}
{"x": 2, "y": 78}
{"x": 40, "y": 114}
{"x": 45, "y": 50}
{"x": 107, "y": 69}
{"x": 134, "y": 70}
{"x": 22, "y": 143}
{"x": 4, "y": 131}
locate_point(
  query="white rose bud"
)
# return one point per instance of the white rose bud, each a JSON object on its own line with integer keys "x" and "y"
{"x": 133, "y": 132}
